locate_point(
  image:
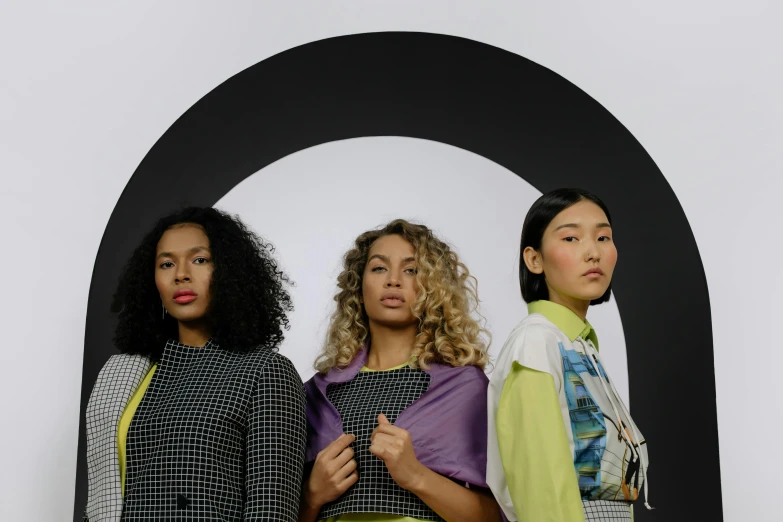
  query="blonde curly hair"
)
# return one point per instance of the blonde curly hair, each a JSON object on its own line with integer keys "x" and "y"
{"x": 447, "y": 299}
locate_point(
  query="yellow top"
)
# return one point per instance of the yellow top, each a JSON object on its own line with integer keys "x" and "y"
{"x": 125, "y": 420}
{"x": 372, "y": 517}
{"x": 532, "y": 437}
{"x": 534, "y": 449}
{"x": 366, "y": 369}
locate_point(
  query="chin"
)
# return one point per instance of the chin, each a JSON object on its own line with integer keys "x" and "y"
{"x": 396, "y": 322}
{"x": 592, "y": 297}
{"x": 588, "y": 297}
{"x": 592, "y": 294}
{"x": 189, "y": 318}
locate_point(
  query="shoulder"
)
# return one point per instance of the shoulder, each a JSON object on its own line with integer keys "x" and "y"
{"x": 125, "y": 359}
{"x": 255, "y": 358}
{"x": 124, "y": 362}
{"x": 272, "y": 368}
{"x": 534, "y": 332}
{"x": 122, "y": 372}
{"x": 280, "y": 363}
{"x": 533, "y": 343}
{"x": 468, "y": 379}
{"x": 312, "y": 382}
{"x": 467, "y": 374}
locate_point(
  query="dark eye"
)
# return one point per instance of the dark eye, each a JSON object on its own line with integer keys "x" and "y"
{"x": 166, "y": 264}
{"x": 604, "y": 238}
{"x": 201, "y": 260}
{"x": 570, "y": 239}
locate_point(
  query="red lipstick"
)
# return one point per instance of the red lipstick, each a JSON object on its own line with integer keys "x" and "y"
{"x": 184, "y": 296}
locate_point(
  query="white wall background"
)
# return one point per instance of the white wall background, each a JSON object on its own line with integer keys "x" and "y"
{"x": 344, "y": 188}
{"x": 87, "y": 87}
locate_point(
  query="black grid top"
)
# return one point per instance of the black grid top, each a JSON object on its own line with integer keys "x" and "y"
{"x": 606, "y": 511}
{"x": 359, "y": 402}
{"x": 218, "y": 436}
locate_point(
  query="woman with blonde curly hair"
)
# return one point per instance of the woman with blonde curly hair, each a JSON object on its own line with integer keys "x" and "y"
{"x": 397, "y": 411}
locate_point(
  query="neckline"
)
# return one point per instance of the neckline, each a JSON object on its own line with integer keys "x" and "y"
{"x": 172, "y": 343}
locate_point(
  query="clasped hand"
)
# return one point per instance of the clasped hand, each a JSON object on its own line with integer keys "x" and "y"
{"x": 334, "y": 470}
{"x": 394, "y": 447}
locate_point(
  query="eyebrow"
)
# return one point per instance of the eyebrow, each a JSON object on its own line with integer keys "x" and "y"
{"x": 386, "y": 258}
{"x": 574, "y": 225}
{"x": 191, "y": 251}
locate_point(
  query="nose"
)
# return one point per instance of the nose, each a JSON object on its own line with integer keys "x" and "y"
{"x": 183, "y": 276}
{"x": 593, "y": 253}
{"x": 392, "y": 281}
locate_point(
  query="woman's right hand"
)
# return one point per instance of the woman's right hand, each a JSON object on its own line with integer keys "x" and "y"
{"x": 333, "y": 473}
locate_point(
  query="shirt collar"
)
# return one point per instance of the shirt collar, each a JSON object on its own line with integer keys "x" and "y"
{"x": 565, "y": 319}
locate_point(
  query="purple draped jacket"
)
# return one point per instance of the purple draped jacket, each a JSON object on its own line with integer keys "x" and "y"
{"x": 447, "y": 424}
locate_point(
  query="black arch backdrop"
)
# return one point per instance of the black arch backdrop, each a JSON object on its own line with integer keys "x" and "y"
{"x": 498, "y": 105}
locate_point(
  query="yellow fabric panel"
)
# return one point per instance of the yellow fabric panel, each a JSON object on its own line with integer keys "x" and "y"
{"x": 370, "y": 517}
{"x": 535, "y": 451}
{"x": 125, "y": 420}
{"x": 366, "y": 369}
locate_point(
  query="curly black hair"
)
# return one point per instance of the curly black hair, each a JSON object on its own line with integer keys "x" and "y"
{"x": 249, "y": 301}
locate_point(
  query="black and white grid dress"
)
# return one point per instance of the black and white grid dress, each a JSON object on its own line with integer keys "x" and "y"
{"x": 218, "y": 435}
{"x": 359, "y": 402}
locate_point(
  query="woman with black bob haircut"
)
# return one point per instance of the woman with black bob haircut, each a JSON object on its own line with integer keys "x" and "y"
{"x": 562, "y": 445}
{"x": 540, "y": 215}
{"x": 198, "y": 417}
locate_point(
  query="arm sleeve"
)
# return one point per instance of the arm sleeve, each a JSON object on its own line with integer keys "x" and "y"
{"x": 534, "y": 449}
{"x": 275, "y": 444}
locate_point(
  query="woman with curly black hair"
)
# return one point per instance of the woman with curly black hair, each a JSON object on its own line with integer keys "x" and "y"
{"x": 199, "y": 418}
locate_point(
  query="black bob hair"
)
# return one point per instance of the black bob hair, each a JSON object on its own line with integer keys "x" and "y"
{"x": 249, "y": 301}
{"x": 540, "y": 215}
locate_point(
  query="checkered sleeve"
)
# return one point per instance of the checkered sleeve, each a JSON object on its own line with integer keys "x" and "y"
{"x": 275, "y": 443}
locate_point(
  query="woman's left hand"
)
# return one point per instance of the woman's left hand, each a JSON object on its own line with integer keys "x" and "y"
{"x": 394, "y": 447}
